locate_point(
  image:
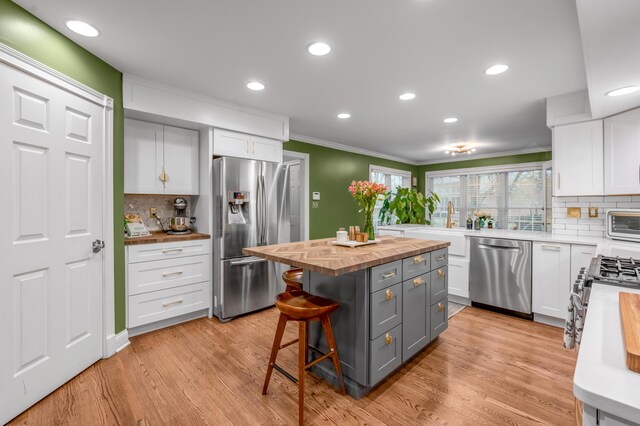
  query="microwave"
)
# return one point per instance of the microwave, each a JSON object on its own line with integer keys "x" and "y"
{"x": 623, "y": 224}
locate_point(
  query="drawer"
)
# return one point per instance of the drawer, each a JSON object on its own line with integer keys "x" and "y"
{"x": 439, "y": 258}
{"x": 416, "y": 265}
{"x": 386, "y": 309}
{"x": 385, "y": 275}
{"x": 147, "y": 252}
{"x": 439, "y": 317}
{"x": 144, "y": 277}
{"x": 158, "y": 305}
{"x": 385, "y": 354}
{"x": 439, "y": 283}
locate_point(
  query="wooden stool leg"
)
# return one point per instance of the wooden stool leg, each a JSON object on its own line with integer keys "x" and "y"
{"x": 302, "y": 350}
{"x": 282, "y": 323}
{"x": 328, "y": 333}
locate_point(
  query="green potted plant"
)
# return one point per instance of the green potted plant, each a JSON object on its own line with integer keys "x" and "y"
{"x": 408, "y": 206}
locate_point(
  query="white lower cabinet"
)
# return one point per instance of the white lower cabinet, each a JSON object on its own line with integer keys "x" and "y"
{"x": 459, "y": 276}
{"x": 581, "y": 256}
{"x": 551, "y": 278}
{"x": 166, "y": 280}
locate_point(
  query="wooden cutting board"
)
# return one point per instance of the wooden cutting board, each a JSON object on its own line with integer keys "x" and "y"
{"x": 630, "y": 316}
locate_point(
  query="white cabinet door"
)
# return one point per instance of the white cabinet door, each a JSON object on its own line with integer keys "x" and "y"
{"x": 266, "y": 149}
{"x": 581, "y": 256}
{"x": 551, "y": 284}
{"x": 578, "y": 159}
{"x": 459, "y": 276}
{"x": 180, "y": 161}
{"x": 142, "y": 157}
{"x": 231, "y": 144}
{"x": 622, "y": 153}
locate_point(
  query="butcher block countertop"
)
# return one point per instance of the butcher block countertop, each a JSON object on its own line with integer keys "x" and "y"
{"x": 325, "y": 258}
{"x": 163, "y": 237}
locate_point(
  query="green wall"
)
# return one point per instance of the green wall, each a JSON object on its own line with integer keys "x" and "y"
{"x": 481, "y": 162}
{"x": 27, "y": 34}
{"x": 330, "y": 173}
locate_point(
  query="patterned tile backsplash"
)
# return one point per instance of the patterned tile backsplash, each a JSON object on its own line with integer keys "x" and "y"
{"x": 586, "y": 226}
{"x": 135, "y": 203}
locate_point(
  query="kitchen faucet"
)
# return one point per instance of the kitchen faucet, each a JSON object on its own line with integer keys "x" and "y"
{"x": 450, "y": 211}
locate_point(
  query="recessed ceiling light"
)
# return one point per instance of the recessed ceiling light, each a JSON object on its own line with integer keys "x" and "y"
{"x": 623, "y": 91}
{"x": 82, "y": 28}
{"x": 496, "y": 69}
{"x": 318, "y": 48}
{"x": 407, "y": 96}
{"x": 255, "y": 85}
{"x": 344, "y": 115}
{"x": 450, "y": 120}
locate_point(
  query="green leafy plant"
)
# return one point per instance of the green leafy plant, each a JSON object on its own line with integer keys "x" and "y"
{"x": 408, "y": 206}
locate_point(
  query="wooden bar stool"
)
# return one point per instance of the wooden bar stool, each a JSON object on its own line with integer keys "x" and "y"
{"x": 302, "y": 307}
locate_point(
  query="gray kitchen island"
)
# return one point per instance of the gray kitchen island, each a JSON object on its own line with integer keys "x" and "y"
{"x": 392, "y": 296}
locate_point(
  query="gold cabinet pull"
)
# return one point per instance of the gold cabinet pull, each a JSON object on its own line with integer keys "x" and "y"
{"x": 164, "y": 177}
{"x": 388, "y": 339}
{"x": 440, "y": 258}
{"x": 440, "y": 307}
{"x": 417, "y": 260}
{"x": 389, "y": 294}
{"x": 418, "y": 281}
{"x": 440, "y": 273}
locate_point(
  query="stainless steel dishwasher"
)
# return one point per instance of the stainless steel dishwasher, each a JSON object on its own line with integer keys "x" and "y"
{"x": 500, "y": 274}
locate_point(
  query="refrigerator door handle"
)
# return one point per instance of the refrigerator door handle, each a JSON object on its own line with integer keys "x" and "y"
{"x": 248, "y": 261}
{"x": 263, "y": 235}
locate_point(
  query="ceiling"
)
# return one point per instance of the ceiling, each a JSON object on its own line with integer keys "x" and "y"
{"x": 437, "y": 49}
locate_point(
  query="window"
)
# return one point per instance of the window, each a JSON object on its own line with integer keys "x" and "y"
{"x": 392, "y": 178}
{"x": 513, "y": 196}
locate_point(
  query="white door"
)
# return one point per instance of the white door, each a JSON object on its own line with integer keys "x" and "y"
{"x": 180, "y": 161}
{"x": 622, "y": 153}
{"x": 142, "y": 157}
{"x": 50, "y": 279}
{"x": 295, "y": 199}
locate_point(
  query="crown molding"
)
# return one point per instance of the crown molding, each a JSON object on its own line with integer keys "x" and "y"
{"x": 487, "y": 155}
{"x": 347, "y": 148}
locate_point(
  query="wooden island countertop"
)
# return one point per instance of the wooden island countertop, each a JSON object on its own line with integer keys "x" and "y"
{"x": 323, "y": 257}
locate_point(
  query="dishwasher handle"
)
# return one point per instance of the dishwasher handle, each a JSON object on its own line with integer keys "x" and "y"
{"x": 497, "y": 247}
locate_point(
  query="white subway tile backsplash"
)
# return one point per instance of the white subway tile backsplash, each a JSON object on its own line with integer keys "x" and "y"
{"x": 578, "y": 227}
{"x": 592, "y": 234}
{"x": 600, "y": 228}
{"x": 619, "y": 198}
{"x": 566, "y": 232}
{"x": 625, "y": 205}
{"x": 578, "y": 204}
{"x": 591, "y": 199}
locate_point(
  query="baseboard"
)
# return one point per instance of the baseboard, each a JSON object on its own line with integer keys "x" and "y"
{"x": 459, "y": 299}
{"x": 136, "y": 331}
{"x": 116, "y": 343}
{"x": 544, "y": 319}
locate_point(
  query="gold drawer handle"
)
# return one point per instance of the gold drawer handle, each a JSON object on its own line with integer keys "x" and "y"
{"x": 389, "y": 295}
{"x": 389, "y": 274}
{"x": 417, "y": 282}
{"x": 440, "y": 273}
{"x": 440, "y": 258}
{"x": 440, "y": 307}
{"x": 388, "y": 339}
{"x": 417, "y": 259}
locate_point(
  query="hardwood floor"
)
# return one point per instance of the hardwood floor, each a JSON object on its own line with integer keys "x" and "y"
{"x": 486, "y": 369}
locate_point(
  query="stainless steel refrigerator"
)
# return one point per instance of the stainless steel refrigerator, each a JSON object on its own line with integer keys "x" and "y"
{"x": 250, "y": 208}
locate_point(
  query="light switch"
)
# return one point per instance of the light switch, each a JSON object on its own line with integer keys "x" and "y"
{"x": 316, "y": 196}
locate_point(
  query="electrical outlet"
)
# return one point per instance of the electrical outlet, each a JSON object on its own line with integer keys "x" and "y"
{"x": 315, "y": 204}
{"x": 593, "y": 212}
{"x": 153, "y": 212}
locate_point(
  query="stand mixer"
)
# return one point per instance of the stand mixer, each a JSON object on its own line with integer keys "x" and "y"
{"x": 180, "y": 223}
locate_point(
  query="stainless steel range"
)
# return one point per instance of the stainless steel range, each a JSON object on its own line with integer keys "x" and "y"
{"x": 622, "y": 272}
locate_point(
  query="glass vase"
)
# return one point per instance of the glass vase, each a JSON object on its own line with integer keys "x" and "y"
{"x": 368, "y": 225}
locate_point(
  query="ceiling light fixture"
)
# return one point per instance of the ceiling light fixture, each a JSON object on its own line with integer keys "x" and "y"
{"x": 407, "y": 96}
{"x": 623, "y": 91}
{"x": 460, "y": 149}
{"x": 319, "y": 48}
{"x": 255, "y": 85}
{"x": 82, "y": 28}
{"x": 344, "y": 115}
{"x": 496, "y": 69}
{"x": 450, "y": 120}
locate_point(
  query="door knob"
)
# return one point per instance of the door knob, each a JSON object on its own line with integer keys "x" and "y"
{"x": 97, "y": 245}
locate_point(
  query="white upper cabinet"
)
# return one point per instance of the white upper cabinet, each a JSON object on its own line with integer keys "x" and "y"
{"x": 578, "y": 159}
{"x": 622, "y": 153}
{"x": 232, "y": 144}
{"x": 160, "y": 159}
{"x": 551, "y": 286}
{"x": 180, "y": 161}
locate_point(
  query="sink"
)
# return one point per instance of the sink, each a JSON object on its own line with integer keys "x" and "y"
{"x": 455, "y": 236}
